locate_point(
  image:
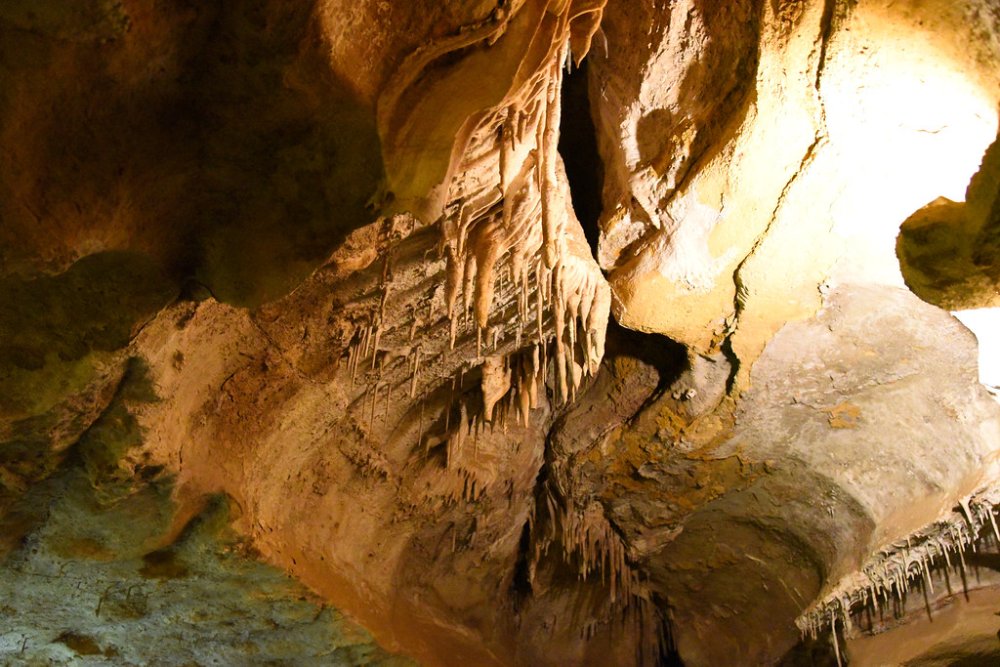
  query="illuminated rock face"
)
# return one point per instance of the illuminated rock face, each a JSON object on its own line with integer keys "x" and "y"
{"x": 323, "y": 260}
{"x": 948, "y": 251}
{"x": 755, "y": 150}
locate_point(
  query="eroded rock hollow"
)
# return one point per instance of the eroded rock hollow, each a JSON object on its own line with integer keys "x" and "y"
{"x": 507, "y": 332}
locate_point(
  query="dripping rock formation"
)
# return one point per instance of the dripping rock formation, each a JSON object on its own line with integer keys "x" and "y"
{"x": 505, "y": 332}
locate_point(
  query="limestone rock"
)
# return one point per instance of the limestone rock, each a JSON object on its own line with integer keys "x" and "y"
{"x": 328, "y": 287}
{"x": 949, "y": 251}
{"x": 755, "y": 149}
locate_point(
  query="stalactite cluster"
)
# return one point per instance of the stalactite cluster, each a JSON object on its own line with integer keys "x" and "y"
{"x": 886, "y": 579}
{"x": 321, "y": 259}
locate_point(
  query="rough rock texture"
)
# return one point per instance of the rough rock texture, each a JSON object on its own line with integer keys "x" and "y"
{"x": 737, "y": 134}
{"x": 972, "y": 635}
{"x": 323, "y": 260}
{"x": 949, "y": 251}
{"x": 837, "y": 402}
{"x": 94, "y": 577}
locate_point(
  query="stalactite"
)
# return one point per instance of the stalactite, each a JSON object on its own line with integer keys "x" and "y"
{"x": 388, "y": 401}
{"x": 893, "y": 569}
{"x": 833, "y": 638}
{"x": 375, "y": 341}
{"x": 415, "y": 372}
{"x": 371, "y": 419}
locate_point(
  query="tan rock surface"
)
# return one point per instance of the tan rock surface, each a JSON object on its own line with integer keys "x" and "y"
{"x": 323, "y": 261}
{"x": 746, "y": 166}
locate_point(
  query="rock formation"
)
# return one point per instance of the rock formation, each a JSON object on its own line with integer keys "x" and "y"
{"x": 520, "y": 332}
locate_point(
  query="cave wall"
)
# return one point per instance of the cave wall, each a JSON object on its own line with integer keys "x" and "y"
{"x": 337, "y": 243}
{"x": 805, "y": 125}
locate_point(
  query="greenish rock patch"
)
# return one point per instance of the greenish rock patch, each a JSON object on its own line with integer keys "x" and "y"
{"x": 89, "y": 587}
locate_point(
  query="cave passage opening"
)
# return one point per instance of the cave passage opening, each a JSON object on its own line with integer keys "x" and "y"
{"x": 580, "y": 154}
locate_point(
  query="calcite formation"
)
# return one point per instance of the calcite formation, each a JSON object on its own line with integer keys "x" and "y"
{"x": 520, "y": 332}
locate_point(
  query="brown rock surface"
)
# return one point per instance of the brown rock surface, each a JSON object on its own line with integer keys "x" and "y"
{"x": 321, "y": 260}
{"x": 949, "y": 251}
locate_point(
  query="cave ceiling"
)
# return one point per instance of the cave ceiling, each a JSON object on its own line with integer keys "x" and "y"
{"x": 500, "y": 332}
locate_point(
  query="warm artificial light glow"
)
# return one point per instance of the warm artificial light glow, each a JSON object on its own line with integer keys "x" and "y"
{"x": 911, "y": 121}
{"x": 985, "y": 324}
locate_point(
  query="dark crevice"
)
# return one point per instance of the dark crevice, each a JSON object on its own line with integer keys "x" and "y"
{"x": 666, "y": 355}
{"x": 826, "y": 31}
{"x": 660, "y": 362}
{"x": 578, "y": 148}
{"x": 521, "y": 588}
{"x": 734, "y": 363}
{"x": 814, "y": 653}
{"x": 669, "y": 655}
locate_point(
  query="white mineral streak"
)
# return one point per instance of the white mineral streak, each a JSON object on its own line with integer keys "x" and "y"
{"x": 683, "y": 255}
